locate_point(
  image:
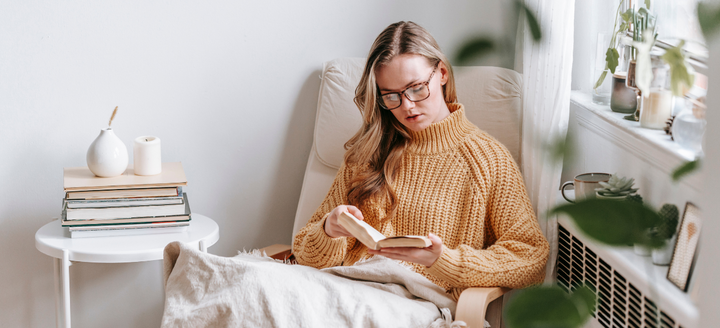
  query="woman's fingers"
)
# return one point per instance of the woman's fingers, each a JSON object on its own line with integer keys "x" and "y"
{"x": 333, "y": 228}
{"x": 355, "y": 212}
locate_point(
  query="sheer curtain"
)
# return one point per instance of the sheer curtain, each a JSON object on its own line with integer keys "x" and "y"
{"x": 547, "y": 71}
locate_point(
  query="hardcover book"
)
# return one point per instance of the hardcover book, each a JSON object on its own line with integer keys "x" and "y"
{"x": 373, "y": 239}
{"x": 128, "y": 219}
{"x": 80, "y": 178}
{"x": 123, "y": 193}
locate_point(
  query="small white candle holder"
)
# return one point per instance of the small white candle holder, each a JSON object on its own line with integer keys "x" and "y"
{"x": 146, "y": 155}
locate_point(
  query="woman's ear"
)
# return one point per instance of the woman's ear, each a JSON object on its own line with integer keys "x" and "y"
{"x": 443, "y": 73}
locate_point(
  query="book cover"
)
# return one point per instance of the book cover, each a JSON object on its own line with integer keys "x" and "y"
{"x": 80, "y": 178}
{"x": 123, "y": 193}
{"x": 186, "y": 216}
{"x": 373, "y": 239}
{"x": 124, "y": 212}
{"x": 105, "y": 203}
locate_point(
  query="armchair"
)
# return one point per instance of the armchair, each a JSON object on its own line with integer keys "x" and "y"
{"x": 492, "y": 99}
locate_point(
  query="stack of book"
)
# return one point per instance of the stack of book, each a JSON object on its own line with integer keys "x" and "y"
{"x": 125, "y": 205}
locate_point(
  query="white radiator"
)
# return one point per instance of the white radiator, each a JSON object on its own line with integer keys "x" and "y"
{"x": 631, "y": 292}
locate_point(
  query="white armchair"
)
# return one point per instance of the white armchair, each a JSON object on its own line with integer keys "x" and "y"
{"x": 493, "y": 101}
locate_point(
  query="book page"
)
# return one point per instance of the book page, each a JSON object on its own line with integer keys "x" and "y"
{"x": 374, "y": 234}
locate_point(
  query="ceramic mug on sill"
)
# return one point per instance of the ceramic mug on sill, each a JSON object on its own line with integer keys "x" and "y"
{"x": 585, "y": 185}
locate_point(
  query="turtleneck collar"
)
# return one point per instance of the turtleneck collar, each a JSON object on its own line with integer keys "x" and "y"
{"x": 443, "y": 135}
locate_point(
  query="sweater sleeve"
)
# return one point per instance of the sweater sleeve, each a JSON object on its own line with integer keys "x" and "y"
{"x": 519, "y": 252}
{"x": 312, "y": 246}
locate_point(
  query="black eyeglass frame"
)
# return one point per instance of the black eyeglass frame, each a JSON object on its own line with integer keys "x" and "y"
{"x": 402, "y": 93}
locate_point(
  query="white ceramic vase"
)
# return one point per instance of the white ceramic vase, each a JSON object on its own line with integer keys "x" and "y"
{"x": 107, "y": 156}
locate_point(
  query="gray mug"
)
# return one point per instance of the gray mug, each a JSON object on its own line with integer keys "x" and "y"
{"x": 585, "y": 185}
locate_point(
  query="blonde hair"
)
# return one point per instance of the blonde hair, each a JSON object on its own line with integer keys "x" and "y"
{"x": 381, "y": 141}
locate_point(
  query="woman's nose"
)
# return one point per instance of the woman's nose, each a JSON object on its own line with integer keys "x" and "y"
{"x": 407, "y": 104}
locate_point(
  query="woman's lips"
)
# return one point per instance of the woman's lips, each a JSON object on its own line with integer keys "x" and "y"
{"x": 413, "y": 118}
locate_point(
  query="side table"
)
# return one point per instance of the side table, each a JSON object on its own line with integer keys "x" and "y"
{"x": 53, "y": 240}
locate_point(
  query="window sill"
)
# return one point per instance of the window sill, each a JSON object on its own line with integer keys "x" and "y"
{"x": 653, "y": 145}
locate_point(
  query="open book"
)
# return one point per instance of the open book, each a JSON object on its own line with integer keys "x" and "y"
{"x": 373, "y": 239}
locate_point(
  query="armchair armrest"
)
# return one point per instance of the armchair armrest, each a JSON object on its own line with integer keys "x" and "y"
{"x": 473, "y": 304}
{"x": 278, "y": 251}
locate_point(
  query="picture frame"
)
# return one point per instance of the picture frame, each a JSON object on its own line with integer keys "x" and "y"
{"x": 684, "y": 256}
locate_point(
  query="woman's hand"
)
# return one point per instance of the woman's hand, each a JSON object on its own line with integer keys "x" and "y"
{"x": 425, "y": 256}
{"x": 333, "y": 228}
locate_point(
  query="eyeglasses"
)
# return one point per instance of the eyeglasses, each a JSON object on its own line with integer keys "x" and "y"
{"x": 416, "y": 92}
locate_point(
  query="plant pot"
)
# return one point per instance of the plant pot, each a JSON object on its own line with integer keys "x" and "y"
{"x": 663, "y": 255}
{"x": 642, "y": 250}
{"x": 610, "y": 197}
{"x": 107, "y": 156}
{"x": 623, "y": 99}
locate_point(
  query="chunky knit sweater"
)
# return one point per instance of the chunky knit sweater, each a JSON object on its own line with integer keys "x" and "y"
{"x": 459, "y": 183}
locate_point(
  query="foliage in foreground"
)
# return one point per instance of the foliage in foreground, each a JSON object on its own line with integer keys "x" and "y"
{"x": 549, "y": 306}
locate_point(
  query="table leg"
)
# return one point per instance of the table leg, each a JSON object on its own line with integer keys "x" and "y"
{"x": 202, "y": 246}
{"x": 66, "y": 286}
{"x": 58, "y": 292}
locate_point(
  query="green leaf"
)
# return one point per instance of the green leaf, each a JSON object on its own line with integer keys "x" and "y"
{"x": 685, "y": 169}
{"x": 709, "y": 19}
{"x": 549, "y": 306}
{"x": 647, "y": 4}
{"x": 474, "y": 48}
{"x": 680, "y": 77}
{"x": 628, "y": 15}
{"x": 600, "y": 80}
{"x": 623, "y": 27}
{"x": 612, "y": 57}
{"x": 533, "y": 23}
{"x": 613, "y": 222}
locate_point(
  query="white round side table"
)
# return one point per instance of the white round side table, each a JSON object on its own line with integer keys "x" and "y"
{"x": 53, "y": 240}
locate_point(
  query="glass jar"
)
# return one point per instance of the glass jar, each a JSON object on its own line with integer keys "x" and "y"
{"x": 601, "y": 94}
{"x": 656, "y": 107}
{"x": 689, "y": 126}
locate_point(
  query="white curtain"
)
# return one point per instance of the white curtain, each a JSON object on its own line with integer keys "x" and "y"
{"x": 547, "y": 71}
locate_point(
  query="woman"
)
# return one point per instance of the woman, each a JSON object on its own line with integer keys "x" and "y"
{"x": 417, "y": 166}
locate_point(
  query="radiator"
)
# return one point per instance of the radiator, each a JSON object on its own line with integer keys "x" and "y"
{"x": 619, "y": 286}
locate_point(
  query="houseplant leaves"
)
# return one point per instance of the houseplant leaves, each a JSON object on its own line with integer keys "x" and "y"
{"x": 613, "y": 222}
{"x": 549, "y": 306}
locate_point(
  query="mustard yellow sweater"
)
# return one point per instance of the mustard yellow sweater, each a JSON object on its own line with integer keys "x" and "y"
{"x": 459, "y": 183}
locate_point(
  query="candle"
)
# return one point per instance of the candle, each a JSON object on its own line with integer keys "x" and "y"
{"x": 146, "y": 155}
{"x": 656, "y": 109}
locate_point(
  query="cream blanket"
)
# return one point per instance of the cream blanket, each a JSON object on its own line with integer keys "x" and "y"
{"x": 251, "y": 290}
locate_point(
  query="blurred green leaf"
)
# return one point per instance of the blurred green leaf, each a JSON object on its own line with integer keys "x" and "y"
{"x": 709, "y": 19}
{"x": 612, "y": 57}
{"x": 623, "y": 27}
{"x": 532, "y": 22}
{"x": 647, "y": 4}
{"x": 474, "y": 48}
{"x": 614, "y": 222}
{"x": 627, "y": 16}
{"x": 549, "y": 306}
{"x": 601, "y": 79}
{"x": 685, "y": 169}
{"x": 680, "y": 77}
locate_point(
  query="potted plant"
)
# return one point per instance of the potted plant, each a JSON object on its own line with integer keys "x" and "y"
{"x": 624, "y": 97}
{"x": 666, "y": 229}
{"x": 616, "y": 188}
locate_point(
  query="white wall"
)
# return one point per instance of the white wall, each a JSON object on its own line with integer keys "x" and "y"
{"x": 229, "y": 86}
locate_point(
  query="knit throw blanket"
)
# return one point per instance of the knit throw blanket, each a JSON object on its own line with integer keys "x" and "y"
{"x": 252, "y": 290}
